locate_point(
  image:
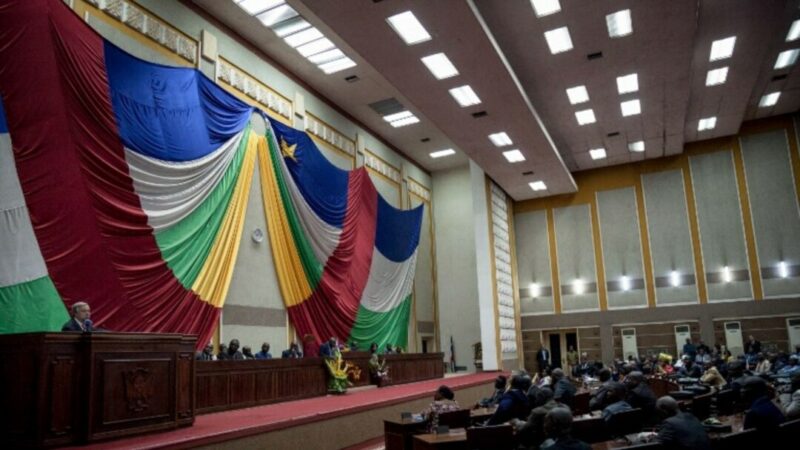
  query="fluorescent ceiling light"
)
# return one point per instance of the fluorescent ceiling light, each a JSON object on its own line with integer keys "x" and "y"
{"x": 783, "y": 269}
{"x": 254, "y": 7}
{"x": 558, "y": 40}
{"x": 716, "y": 76}
{"x": 619, "y": 24}
{"x": 707, "y": 124}
{"x": 276, "y": 15}
{"x": 597, "y": 153}
{"x": 408, "y": 27}
{"x": 625, "y": 283}
{"x": 726, "y": 274}
{"x": 465, "y": 96}
{"x": 786, "y": 58}
{"x": 769, "y": 99}
{"x": 637, "y": 146}
{"x": 500, "y": 139}
{"x": 398, "y": 116}
{"x": 538, "y": 186}
{"x": 534, "y": 289}
{"x": 290, "y": 26}
{"x": 440, "y": 66}
{"x": 674, "y": 279}
{"x": 628, "y": 83}
{"x": 578, "y": 286}
{"x": 585, "y": 117}
{"x": 514, "y": 156}
{"x": 578, "y": 94}
{"x": 545, "y": 7}
{"x": 303, "y": 37}
{"x": 330, "y": 55}
{"x": 314, "y": 47}
{"x": 794, "y": 31}
{"x": 403, "y": 122}
{"x": 441, "y": 153}
{"x": 631, "y": 107}
{"x": 337, "y": 65}
{"x": 722, "y": 48}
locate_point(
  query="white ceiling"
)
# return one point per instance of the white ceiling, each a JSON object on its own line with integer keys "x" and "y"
{"x": 499, "y": 49}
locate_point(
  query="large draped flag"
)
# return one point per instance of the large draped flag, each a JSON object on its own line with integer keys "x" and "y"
{"x": 122, "y": 183}
{"x": 344, "y": 256}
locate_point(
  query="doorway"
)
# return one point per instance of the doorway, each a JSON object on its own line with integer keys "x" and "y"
{"x": 559, "y": 342}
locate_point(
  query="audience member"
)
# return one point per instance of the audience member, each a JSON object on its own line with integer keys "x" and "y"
{"x": 762, "y": 413}
{"x": 713, "y": 378}
{"x": 680, "y": 430}
{"x": 530, "y": 433}
{"x": 292, "y": 352}
{"x": 329, "y": 348}
{"x": 223, "y": 352}
{"x": 563, "y": 389}
{"x": 513, "y": 403}
{"x": 640, "y": 395}
{"x": 443, "y": 401}
{"x": 598, "y": 399}
{"x": 233, "y": 351}
{"x": 615, "y": 396}
{"x": 689, "y": 349}
{"x": 790, "y": 369}
{"x": 206, "y": 355}
{"x": 752, "y": 346}
{"x": 264, "y": 353}
{"x": 557, "y": 426}
{"x": 572, "y": 361}
{"x": 764, "y": 366}
{"x": 702, "y": 346}
{"x": 247, "y": 352}
{"x": 543, "y": 358}
{"x": 790, "y": 401}
{"x": 689, "y": 369}
{"x": 499, "y": 390}
{"x": 378, "y": 370}
{"x": 310, "y": 346}
{"x": 702, "y": 358}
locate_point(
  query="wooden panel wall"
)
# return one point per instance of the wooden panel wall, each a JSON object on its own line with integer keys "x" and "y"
{"x": 771, "y": 331}
{"x": 656, "y": 337}
{"x": 589, "y": 342}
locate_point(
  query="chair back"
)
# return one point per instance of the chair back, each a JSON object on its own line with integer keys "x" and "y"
{"x": 500, "y": 437}
{"x": 701, "y": 406}
{"x": 724, "y": 402}
{"x": 455, "y": 419}
{"x": 789, "y": 431}
{"x": 625, "y": 422}
{"x": 590, "y": 430}
{"x": 737, "y": 441}
{"x": 580, "y": 404}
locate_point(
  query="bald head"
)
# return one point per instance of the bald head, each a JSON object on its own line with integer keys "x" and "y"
{"x": 667, "y": 405}
{"x": 558, "y": 422}
{"x": 557, "y": 374}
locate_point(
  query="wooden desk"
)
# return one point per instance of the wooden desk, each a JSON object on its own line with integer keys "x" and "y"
{"x": 456, "y": 439}
{"x": 479, "y": 415}
{"x": 736, "y": 422}
{"x": 398, "y": 433}
{"x": 67, "y": 388}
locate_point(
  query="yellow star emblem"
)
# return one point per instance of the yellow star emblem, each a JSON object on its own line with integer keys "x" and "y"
{"x": 288, "y": 150}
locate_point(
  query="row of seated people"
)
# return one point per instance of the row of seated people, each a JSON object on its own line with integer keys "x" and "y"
{"x": 312, "y": 350}
{"x": 626, "y": 407}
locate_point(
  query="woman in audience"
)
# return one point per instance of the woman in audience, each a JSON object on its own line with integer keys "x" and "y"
{"x": 557, "y": 425}
{"x": 443, "y": 401}
{"x": 664, "y": 367}
{"x": 713, "y": 378}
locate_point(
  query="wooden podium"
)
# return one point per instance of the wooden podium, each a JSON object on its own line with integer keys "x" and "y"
{"x": 63, "y": 388}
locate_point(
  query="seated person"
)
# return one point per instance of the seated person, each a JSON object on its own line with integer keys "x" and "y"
{"x": 514, "y": 403}
{"x": 378, "y": 370}
{"x": 494, "y": 399}
{"x": 80, "y": 320}
{"x": 443, "y": 401}
{"x": 353, "y": 346}
{"x": 389, "y": 350}
{"x": 599, "y": 400}
{"x": 640, "y": 395}
{"x": 233, "y": 351}
{"x": 680, "y": 430}
{"x": 790, "y": 369}
{"x": 264, "y": 353}
{"x": 764, "y": 366}
{"x": 247, "y": 352}
{"x": 762, "y": 413}
{"x": 616, "y": 401}
{"x": 563, "y": 389}
{"x": 530, "y": 433}
{"x": 791, "y": 401}
{"x": 664, "y": 367}
{"x": 206, "y": 355}
{"x": 557, "y": 426}
{"x": 223, "y": 352}
{"x": 329, "y": 349}
{"x": 292, "y": 352}
{"x": 713, "y": 378}
{"x": 310, "y": 346}
{"x": 689, "y": 369}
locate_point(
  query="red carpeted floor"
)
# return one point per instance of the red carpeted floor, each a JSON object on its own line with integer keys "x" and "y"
{"x": 218, "y": 427}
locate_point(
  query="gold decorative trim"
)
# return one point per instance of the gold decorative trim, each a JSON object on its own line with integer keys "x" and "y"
{"x": 382, "y": 167}
{"x": 418, "y": 189}
{"x": 330, "y": 135}
{"x": 251, "y": 87}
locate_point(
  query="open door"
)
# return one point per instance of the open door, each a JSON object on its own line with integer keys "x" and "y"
{"x": 555, "y": 350}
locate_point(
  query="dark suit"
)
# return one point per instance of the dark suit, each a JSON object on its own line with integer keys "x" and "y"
{"x": 326, "y": 350}
{"x": 643, "y": 397}
{"x": 565, "y": 392}
{"x": 513, "y": 404}
{"x": 543, "y": 359}
{"x": 683, "y": 431}
{"x": 763, "y": 415}
{"x": 73, "y": 325}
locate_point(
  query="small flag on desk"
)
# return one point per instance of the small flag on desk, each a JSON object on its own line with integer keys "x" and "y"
{"x": 452, "y": 354}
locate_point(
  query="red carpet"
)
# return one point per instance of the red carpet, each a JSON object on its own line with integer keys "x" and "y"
{"x": 219, "y": 427}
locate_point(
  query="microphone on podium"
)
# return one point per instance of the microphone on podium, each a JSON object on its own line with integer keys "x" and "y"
{"x": 87, "y": 325}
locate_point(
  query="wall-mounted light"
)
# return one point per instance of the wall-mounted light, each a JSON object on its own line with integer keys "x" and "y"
{"x": 726, "y": 274}
{"x": 625, "y": 283}
{"x": 578, "y": 287}
{"x": 534, "y": 289}
{"x": 258, "y": 235}
{"x": 783, "y": 269}
{"x": 674, "y": 278}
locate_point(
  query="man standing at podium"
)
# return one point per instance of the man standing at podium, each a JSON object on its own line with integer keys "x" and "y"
{"x": 80, "y": 319}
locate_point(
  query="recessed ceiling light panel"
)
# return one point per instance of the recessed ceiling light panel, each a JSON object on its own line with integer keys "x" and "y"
{"x": 597, "y": 153}
{"x": 628, "y": 83}
{"x": 538, "y": 185}
{"x": 409, "y": 28}
{"x": 631, "y": 107}
{"x": 254, "y": 7}
{"x": 578, "y": 94}
{"x": 514, "y": 156}
{"x": 465, "y": 96}
{"x": 794, "y": 31}
{"x": 558, "y": 40}
{"x": 722, "y": 48}
{"x": 786, "y": 58}
{"x": 707, "y": 124}
{"x": 637, "y": 146}
{"x": 442, "y": 153}
{"x": 585, "y": 117}
{"x": 440, "y": 66}
{"x": 619, "y": 24}
{"x": 500, "y": 139}
{"x": 545, "y": 7}
{"x": 769, "y": 100}
{"x": 717, "y": 76}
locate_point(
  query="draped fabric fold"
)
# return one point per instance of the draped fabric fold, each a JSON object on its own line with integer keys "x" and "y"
{"x": 322, "y": 216}
{"x": 134, "y": 178}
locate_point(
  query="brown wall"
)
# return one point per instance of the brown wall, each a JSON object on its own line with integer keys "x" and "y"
{"x": 771, "y": 331}
{"x": 589, "y": 342}
{"x": 655, "y": 337}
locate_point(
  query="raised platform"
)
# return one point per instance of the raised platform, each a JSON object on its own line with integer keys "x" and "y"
{"x": 329, "y": 422}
